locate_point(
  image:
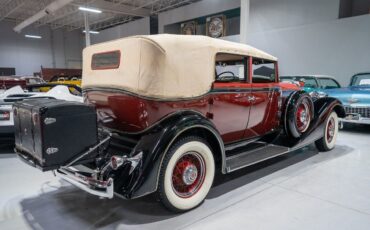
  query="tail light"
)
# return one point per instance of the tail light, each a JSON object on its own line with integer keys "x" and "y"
{"x": 4, "y": 115}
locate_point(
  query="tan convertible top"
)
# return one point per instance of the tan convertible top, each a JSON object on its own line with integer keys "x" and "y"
{"x": 162, "y": 66}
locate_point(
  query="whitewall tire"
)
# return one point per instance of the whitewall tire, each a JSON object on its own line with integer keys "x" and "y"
{"x": 327, "y": 142}
{"x": 186, "y": 175}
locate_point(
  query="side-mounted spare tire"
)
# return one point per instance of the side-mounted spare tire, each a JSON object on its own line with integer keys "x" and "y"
{"x": 299, "y": 113}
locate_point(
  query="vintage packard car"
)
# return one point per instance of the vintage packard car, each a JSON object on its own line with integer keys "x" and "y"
{"x": 355, "y": 98}
{"x": 172, "y": 110}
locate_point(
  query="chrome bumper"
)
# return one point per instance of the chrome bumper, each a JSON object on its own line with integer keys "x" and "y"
{"x": 356, "y": 120}
{"x": 89, "y": 184}
{"x": 76, "y": 175}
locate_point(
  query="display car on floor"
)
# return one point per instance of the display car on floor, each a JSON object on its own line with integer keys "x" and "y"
{"x": 172, "y": 110}
{"x": 7, "y": 82}
{"x": 17, "y": 93}
{"x": 315, "y": 85}
{"x": 355, "y": 98}
{"x": 73, "y": 80}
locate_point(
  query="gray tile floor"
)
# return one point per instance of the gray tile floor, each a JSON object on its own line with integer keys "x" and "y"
{"x": 302, "y": 190}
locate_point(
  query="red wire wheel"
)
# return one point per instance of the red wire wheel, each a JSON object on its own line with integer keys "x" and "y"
{"x": 303, "y": 116}
{"x": 188, "y": 174}
{"x": 330, "y": 131}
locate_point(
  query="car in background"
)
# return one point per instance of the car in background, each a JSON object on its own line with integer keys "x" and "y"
{"x": 17, "y": 93}
{"x": 7, "y": 82}
{"x": 355, "y": 98}
{"x": 31, "y": 80}
{"x": 73, "y": 80}
{"x": 315, "y": 85}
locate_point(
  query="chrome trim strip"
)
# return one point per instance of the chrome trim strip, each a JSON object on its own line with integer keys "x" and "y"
{"x": 211, "y": 91}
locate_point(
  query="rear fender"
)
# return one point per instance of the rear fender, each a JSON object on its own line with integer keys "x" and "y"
{"x": 155, "y": 143}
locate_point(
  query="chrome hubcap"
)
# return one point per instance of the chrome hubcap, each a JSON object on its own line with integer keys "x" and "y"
{"x": 303, "y": 117}
{"x": 190, "y": 174}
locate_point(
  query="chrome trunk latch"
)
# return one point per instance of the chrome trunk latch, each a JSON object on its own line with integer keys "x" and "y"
{"x": 49, "y": 120}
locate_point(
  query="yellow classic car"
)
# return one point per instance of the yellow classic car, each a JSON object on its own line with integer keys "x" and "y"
{"x": 65, "y": 80}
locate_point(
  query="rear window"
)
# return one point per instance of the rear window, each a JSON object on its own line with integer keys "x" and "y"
{"x": 106, "y": 60}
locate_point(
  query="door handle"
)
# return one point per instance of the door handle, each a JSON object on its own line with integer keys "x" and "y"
{"x": 251, "y": 98}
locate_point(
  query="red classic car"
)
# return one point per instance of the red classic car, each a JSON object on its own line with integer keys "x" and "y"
{"x": 172, "y": 110}
{"x": 7, "y": 82}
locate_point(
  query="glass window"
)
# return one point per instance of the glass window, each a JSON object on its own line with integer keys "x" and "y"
{"x": 327, "y": 83}
{"x": 230, "y": 68}
{"x": 263, "y": 71}
{"x": 361, "y": 79}
{"x": 107, "y": 60}
{"x": 309, "y": 82}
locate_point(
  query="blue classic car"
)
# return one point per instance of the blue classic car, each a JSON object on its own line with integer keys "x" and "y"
{"x": 355, "y": 98}
{"x": 315, "y": 85}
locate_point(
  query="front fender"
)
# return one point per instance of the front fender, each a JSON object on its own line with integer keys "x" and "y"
{"x": 155, "y": 143}
{"x": 322, "y": 109}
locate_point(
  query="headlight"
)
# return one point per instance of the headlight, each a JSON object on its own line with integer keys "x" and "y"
{"x": 315, "y": 94}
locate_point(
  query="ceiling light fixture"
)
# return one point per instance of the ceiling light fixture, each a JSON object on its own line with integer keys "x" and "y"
{"x": 88, "y": 9}
{"x": 33, "y": 36}
{"x": 92, "y": 32}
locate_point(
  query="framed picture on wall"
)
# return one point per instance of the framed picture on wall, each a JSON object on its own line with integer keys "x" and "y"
{"x": 189, "y": 28}
{"x": 216, "y": 26}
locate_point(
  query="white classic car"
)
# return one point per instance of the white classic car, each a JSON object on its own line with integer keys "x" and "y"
{"x": 17, "y": 93}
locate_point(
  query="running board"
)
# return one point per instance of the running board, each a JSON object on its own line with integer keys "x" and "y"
{"x": 250, "y": 157}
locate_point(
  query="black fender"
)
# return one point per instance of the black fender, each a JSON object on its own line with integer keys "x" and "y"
{"x": 322, "y": 109}
{"x": 154, "y": 144}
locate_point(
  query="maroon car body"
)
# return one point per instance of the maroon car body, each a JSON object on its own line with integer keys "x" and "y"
{"x": 175, "y": 109}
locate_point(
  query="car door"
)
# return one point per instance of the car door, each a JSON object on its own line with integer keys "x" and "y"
{"x": 230, "y": 97}
{"x": 265, "y": 92}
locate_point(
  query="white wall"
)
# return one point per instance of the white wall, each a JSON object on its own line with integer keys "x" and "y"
{"x": 59, "y": 49}
{"x": 138, "y": 27}
{"x": 267, "y": 15}
{"x": 306, "y": 35}
{"x": 198, "y": 9}
{"x": 339, "y": 47}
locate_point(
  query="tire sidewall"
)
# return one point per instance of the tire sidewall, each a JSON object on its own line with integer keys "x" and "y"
{"x": 173, "y": 199}
{"x": 292, "y": 113}
{"x": 331, "y": 145}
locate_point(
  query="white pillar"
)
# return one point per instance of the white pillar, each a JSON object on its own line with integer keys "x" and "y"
{"x": 244, "y": 20}
{"x": 87, "y": 29}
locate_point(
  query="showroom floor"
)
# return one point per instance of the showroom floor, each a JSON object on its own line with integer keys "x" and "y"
{"x": 303, "y": 190}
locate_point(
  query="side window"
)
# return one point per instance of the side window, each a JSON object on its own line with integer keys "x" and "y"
{"x": 263, "y": 71}
{"x": 230, "y": 68}
{"x": 327, "y": 83}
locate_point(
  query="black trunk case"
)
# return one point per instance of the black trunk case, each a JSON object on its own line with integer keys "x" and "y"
{"x": 54, "y": 132}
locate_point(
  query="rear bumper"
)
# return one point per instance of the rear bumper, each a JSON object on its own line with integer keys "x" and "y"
{"x": 101, "y": 188}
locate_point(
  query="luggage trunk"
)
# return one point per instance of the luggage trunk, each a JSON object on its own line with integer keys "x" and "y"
{"x": 52, "y": 133}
